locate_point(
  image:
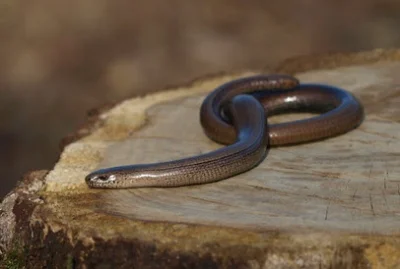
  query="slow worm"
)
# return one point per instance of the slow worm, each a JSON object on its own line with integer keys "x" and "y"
{"x": 235, "y": 114}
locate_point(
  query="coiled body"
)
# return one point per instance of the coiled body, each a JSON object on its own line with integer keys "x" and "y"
{"x": 231, "y": 117}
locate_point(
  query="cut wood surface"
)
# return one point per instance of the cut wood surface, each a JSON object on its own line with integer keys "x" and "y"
{"x": 328, "y": 204}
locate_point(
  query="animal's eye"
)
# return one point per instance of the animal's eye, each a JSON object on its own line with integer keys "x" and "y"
{"x": 102, "y": 178}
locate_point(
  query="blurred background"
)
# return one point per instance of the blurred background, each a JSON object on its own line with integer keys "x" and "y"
{"x": 58, "y": 59}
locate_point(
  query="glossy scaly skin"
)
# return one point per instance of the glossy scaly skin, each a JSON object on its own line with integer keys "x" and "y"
{"x": 239, "y": 120}
{"x": 341, "y": 110}
{"x": 239, "y": 157}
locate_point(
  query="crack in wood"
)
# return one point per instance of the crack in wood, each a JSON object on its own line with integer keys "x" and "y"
{"x": 371, "y": 204}
{"x": 326, "y": 211}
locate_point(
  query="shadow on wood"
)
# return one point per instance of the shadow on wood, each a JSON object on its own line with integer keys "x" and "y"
{"x": 329, "y": 204}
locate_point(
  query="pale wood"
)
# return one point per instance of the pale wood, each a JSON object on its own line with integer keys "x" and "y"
{"x": 348, "y": 183}
{"x": 327, "y": 204}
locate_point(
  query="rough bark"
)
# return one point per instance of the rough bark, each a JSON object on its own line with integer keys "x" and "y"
{"x": 329, "y": 204}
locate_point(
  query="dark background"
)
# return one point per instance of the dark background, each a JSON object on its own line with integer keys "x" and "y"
{"x": 59, "y": 59}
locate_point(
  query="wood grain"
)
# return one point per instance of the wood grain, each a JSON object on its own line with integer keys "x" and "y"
{"x": 350, "y": 182}
{"x": 333, "y": 203}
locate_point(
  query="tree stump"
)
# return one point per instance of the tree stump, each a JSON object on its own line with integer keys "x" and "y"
{"x": 328, "y": 204}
